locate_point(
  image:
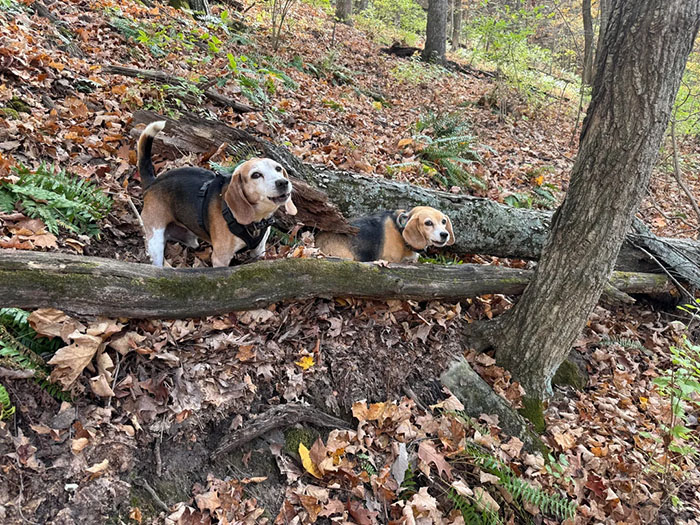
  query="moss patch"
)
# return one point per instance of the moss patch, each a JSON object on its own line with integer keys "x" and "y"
{"x": 569, "y": 374}
{"x": 9, "y": 113}
{"x": 19, "y": 105}
{"x": 295, "y": 435}
{"x": 533, "y": 411}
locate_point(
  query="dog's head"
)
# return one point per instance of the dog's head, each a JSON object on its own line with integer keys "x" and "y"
{"x": 258, "y": 187}
{"x": 424, "y": 226}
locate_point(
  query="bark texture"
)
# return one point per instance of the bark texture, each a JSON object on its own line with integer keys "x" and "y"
{"x": 642, "y": 60}
{"x": 588, "y": 37}
{"x": 481, "y": 225}
{"x": 343, "y": 11}
{"x": 95, "y": 286}
{"x": 436, "y": 32}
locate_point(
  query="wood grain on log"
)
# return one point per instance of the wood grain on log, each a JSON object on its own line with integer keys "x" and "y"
{"x": 95, "y": 286}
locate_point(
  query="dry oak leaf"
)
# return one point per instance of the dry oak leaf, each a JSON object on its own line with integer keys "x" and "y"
{"x": 427, "y": 453}
{"x": 98, "y": 469}
{"x": 70, "y": 361}
{"x": 484, "y": 501}
{"x": 77, "y": 445}
{"x": 100, "y": 386}
{"x": 50, "y": 322}
{"x": 208, "y": 501}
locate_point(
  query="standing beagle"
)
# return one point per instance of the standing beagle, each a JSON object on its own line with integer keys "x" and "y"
{"x": 392, "y": 236}
{"x": 233, "y": 213}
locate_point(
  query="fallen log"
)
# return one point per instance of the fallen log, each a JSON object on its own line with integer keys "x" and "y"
{"x": 96, "y": 286}
{"x": 481, "y": 225}
{"x": 164, "y": 78}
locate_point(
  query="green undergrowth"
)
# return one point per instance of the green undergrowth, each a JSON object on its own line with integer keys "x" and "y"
{"x": 60, "y": 199}
{"x": 22, "y": 349}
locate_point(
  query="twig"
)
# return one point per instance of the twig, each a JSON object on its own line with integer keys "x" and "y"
{"x": 116, "y": 369}
{"x": 159, "y": 461}
{"x": 156, "y": 499}
{"x": 661, "y": 265}
{"x": 677, "y": 171}
{"x": 279, "y": 416}
{"x": 410, "y": 393}
{"x": 136, "y": 212}
{"x": 20, "y": 495}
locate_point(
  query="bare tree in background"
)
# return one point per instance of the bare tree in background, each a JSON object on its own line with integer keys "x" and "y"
{"x": 588, "y": 36}
{"x": 343, "y": 11}
{"x": 280, "y": 9}
{"x": 457, "y": 23}
{"x": 436, "y": 32}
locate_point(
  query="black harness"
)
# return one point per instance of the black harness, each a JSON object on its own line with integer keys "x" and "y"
{"x": 251, "y": 234}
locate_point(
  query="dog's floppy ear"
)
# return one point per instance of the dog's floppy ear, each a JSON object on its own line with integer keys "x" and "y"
{"x": 241, "y": 207}
{"x": 450, "y": 231}
{"x": 289, "y": 207}
{"x": 402, "y": 219}
{"x": 414, "y": 235}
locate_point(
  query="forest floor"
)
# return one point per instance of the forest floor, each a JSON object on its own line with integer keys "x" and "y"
{"x": 162, "y": 394}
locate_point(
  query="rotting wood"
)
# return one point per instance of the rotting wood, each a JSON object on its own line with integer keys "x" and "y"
{"x": 164, "y": 78}
{"x": 481, "y": 226}
{"x": 276, "y": 417}
{"x": 95, "y": 286}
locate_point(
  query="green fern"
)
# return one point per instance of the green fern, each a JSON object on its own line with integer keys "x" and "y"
{"x": 552, "y": 504}
{"x": 6, "y": 407}
{"x": 470, "y": 512}
{"x": 22, "y": 349}
{"x": 58, "y": 198}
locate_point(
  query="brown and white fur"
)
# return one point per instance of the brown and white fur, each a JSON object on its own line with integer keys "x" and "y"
{"x": 257, "y": 189}
{"x": 392, "y": 236}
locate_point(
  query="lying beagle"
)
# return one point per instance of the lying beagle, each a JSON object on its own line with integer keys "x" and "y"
{"x": 392, "y": 236}
{"x": 233, "y": 213}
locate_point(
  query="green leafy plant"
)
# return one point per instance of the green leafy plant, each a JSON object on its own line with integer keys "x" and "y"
{"x": 681, "y": 385}
{"x": 446, "y": 146}
{"x": 22, "y": 349}
{"x": 6, "y": 407}
{"x": 414, "y": 71}
{"x": 558, "y": 506}
{"x": 389, "y": 21}
{"x": 58, "y": 198}
{"x": 471, "y": 512}
{"x": 257, "y": 82}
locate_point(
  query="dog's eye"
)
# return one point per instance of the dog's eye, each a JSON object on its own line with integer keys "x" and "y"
{"x": 428, "y": 222}
{"x": 444, "y": 221}
{"x": 256, "y": 175}
{"x": 278, "y": 168}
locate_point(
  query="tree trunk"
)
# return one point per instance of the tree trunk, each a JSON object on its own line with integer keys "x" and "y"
{"x": 456, "y": 23}
{"x": 200, "y": 6}
{"x": 587, "y": 75}
{"x": 343, "y": 11}
{"x": 604, "y": 15}
{"x": 642, "y": 60}
{"x": 481, "y": 225}
{"x": 436, "y": 32}
{"x": 95, "y": 286}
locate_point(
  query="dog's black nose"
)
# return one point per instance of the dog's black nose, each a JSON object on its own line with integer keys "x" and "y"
{"x": 282, "y": 184}
{"x": 443, "y": 235}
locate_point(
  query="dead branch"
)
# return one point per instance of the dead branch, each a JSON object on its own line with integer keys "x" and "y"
{"x": 95, "y": 286}
{"x": 276, "y": 417}
{"x": 164, "y": 78}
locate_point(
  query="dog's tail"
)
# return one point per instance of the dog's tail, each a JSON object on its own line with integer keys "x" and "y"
{"x": 146, "y": 169}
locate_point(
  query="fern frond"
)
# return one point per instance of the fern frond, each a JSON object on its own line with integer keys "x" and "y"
{"x": 6, "y": 407}
{"x": 21, "y": 349}
{"x": 58, "y": 198}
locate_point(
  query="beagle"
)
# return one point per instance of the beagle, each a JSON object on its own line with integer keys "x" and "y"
{"x": 392, "y": 236}
{"x": 233, "y": 213}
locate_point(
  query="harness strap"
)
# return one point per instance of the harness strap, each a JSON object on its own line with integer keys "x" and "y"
{"x": 251, "y": 234}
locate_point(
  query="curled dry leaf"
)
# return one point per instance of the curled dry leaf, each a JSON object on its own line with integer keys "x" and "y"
{"x": 70, "y": 361}
{"x": 50, "y": 322}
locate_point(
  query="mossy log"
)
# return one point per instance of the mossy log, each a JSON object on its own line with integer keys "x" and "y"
{"x": 481, "y": 226}
{"x": 95, "y": 286}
